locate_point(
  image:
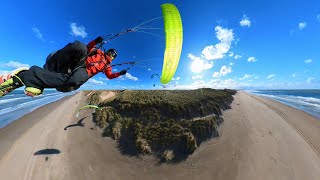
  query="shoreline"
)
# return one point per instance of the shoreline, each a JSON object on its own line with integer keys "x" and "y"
{"x": 19, "y": 126}
{"x": 308, "y": 111}
{"x": 259, "y": 139}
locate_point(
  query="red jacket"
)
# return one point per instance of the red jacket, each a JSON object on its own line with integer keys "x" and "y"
{"x": 99, "y": 63}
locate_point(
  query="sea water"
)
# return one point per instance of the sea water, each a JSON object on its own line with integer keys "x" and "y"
{"x": 16, "y": 104}
{"x": 305, "y": 100}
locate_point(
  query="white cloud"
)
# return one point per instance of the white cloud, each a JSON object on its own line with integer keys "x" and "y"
{"x": 218, "y": 51}
{"x": 302, "y": 25}
{"x": 237, "y": 57}
{"x": 14, "y": 65}
{"x": 245, "y": 21}
{"x": 176, "y": 79}
{"x": 231, "y": 54}
{"x": 129, "y": 76}
{"x": 104, "y": 79}
{"x": 37, "y": 33}
{"x": 78, "y": 30}
{"x": 252, "y": 59}
{"x": 198, "y": 65}
{"x": 246, "y": 76}
{"x": 197, "y": 77}
{"x": 216, "y": 74}
{"x": 149, "y": 69}
{"x": 271, "y": 76}
{"x": 4, "y": 72}
{"x": 231, "y": 64}
{"x": 308, "y": 61}
{"x": 223, "y": 71}
{"x": 311, "y": 80}
{"x": 95, "y": 82}
{"x": 293, "y": 75}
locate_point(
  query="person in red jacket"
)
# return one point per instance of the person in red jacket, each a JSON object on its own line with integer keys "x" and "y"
{"x": 66, "y": 69}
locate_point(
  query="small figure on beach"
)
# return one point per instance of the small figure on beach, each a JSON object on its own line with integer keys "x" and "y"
{"x": 65, "y": 70}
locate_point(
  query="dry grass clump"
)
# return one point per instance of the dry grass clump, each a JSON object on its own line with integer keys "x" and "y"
{"x": 94, "y": 98}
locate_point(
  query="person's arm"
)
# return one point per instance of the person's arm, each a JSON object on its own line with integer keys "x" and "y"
{"x": 109, "y": 74}
{"x": 93, "y": 43}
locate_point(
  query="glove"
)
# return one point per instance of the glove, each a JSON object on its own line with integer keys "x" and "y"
{"x": 123, "y": 72}
{"x": 98, "y": 40}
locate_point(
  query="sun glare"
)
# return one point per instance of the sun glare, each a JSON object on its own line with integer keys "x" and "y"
{"x": 196, "y": 66}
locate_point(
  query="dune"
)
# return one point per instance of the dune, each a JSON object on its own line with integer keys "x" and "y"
{"x": 259, "y": 139}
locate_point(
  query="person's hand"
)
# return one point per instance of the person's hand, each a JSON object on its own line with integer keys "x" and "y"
{"x": 123, "y": 72}
{"x": 98, "y": 40}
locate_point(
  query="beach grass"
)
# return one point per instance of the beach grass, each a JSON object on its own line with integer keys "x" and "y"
{"x": 161, "y": 122}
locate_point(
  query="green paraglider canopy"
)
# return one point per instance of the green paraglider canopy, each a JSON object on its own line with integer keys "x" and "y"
{"x": 174, "y": 36}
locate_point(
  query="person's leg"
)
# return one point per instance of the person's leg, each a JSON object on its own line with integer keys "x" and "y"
{"x": 40, "y": 78}
{"x": 10, "y": 81}
{"x": 75, "y": 80}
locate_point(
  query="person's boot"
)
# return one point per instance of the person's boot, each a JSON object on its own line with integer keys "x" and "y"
{"x": 10, "y": 81}
{"x": 33, "y": 92}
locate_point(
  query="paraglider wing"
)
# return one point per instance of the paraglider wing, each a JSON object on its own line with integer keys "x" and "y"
{"x": 154, "y": 75}
{"x": 87, "y": 106}
{"x": 174, "y": 37}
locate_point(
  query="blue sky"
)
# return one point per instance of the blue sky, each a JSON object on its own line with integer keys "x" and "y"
{"x": 227, "y": 44}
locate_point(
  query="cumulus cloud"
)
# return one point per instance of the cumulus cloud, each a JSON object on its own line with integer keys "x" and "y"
{"x": 197, "y": 77}
{"x": 104, "y": 79}
{"x": 95, "y": 82}
{"x": 270, "y": 76}
{"x": 14, "y": 65}
{"x": 311, "y": 79}
{"x": 149, "y": 69}
{"x": 252, "y": 59}
{"x": 37, "y": 33}
{"x": 223, "y": 71}
{"x": 218, "y": 51}
{"x": 198, "y": 65}
{"x": 302, "y": 25}
{"x": 245, "y": 21}
{"x": 129, "y": 76}
{"x": 308, "y": 61}
{"x": 246, "y": 76}
{"x": 78, "y": 30}
{"x": 4, "y": 72}
{"x": 237, "y": 57}
{"x": 230, "y": 54}
{"x": 176, "y": 79}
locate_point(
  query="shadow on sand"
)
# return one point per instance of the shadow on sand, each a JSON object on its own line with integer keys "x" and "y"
{"x": 79, "y": 123}
{"x": 47, "y": 152}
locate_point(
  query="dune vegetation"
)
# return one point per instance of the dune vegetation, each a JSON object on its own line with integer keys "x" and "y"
{"x": 160, "y": 122}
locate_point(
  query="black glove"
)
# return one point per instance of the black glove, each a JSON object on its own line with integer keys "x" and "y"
{"x": 98, "y": 40}
{"x": 123, "y": 72}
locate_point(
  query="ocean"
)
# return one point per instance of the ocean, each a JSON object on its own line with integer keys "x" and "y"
{"x": 16, "y": 104}
{"x": 305, "y": 100}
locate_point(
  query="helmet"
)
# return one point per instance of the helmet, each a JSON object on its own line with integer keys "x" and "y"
{"x": 112, "y": 52}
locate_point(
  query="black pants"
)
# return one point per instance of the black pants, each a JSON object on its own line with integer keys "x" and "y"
{"x": 63, "y": 70}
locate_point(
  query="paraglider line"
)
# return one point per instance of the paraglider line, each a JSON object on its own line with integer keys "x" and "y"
{"x": 156, "y": 35}
{"x": 146, "y": 22}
